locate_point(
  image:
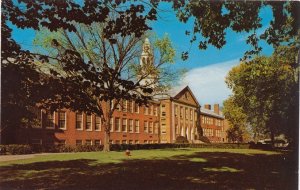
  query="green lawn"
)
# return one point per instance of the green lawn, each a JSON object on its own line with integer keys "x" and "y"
{"x": 154, "y": 169}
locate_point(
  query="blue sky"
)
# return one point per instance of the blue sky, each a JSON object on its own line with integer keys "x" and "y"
{"x": 206, "y": 68}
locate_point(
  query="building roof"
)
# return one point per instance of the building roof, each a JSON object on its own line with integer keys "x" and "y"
{"x": 211, "y": 113}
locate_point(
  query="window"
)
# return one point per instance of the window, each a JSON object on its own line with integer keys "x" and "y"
{"x": 191, "y": 114}
{"x": 111, "y": 142}
{"x": 137, "y": 126}
{"x": 88, "y": 142}
{"x": 186, "y": 113}
{"x": 181, "y": 112}
{"x": 118, "y": 107}
{"x": 124, "y": 105}
{"x": 150, "y": 110}
{"x": 150, "y": 127}
{"x": 130, "y": 106}
{"x": 136, "y": 142}
{"x": 163, "y": 113}
{"x": 176, "y": 111}
{"x": 146, "y": 110}
{"x": 97, "y": 123}
{"x": 97, "y": 142}
{"x": 130, "y": 125}
{"x": 117, "y": 141}
{"x": 130, "y": 141}
{"x": 88, "y": 124}
{"x": 124, "y": 125}
{"x": 62, "y": 120}
{"x": 78, "y": 120}
{"x": 150, "y": 142}
{"x": 117, "y": 124}
{"x": 163, "y": 128}
{"x": 155, "y": 110}
{"x": 78, "y": 142}
{"x": 111, "y": 124}
{"x": 145, "y": 142}
{"x": 136, "y": 108}
{"x": 146, "y": 126}
{"x": 156, "y": 127}
{"x": 49, "y": 120}
{"x": 124, "y": 142}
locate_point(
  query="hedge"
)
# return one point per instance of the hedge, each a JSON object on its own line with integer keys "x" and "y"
{"x": 29, "y": 149}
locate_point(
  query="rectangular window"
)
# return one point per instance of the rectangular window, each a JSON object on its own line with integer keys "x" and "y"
{"x": 156, "y": 127}
{"x": 88, "y": 124}
{"x": 118, "y": 107}
{"x": 88, "y": 142}
{"x": 62, "y": 120}
{"x": 97, "y": 142}
{"x": 145, "y": 142}
{"x": 145, "y": 126}
{"x": 150, "y": 110}
{"x": 49, "y": 120}
{"x": 136, "y": 108}
{"x": 163, "y": 113}
{"x": 111, "y": 142}
{"x": 176, "y": 111}
{"x": 154, "y": 110}
{"x": 186, "y": 113}
{"x": 97, "y": 123}
{"x": 130, "y": 141}
{"x": 191, "y": 114}
{"x": 117, "y": 124}
{"x": 150, "y": 127}
{"x": 124, "y": 105}
{"x": 117, "y": 141}
{"x": 130, "y": 106}
{"x": 137, "y": 126}
{"x": 181, "y": 112}
{"x": 124, "y": 142}
{"x": 136, "y": 142}
{"x": 78, "y": 142}
{"x": 163, "y": 128}
{"x": 124, "y": 125}
{"x": 130, "y": 125}
{"x": 78, "y": 120}
{"x": 146, "y": 110}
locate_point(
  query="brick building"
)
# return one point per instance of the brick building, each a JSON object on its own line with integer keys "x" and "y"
{"x": 179, "y": 115}
{"x": 212, "y": 123}
{"x": 131, "y": 124}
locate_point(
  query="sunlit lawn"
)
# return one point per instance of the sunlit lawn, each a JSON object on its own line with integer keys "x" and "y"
{"x": 154, "y": 169}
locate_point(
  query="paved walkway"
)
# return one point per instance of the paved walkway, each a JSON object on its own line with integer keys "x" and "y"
{"x": 4, "y": 158}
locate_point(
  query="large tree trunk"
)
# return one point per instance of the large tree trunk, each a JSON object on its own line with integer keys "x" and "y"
{"x": 106, "y": 145}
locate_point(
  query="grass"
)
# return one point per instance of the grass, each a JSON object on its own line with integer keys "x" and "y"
{"x": 154, "y": 169}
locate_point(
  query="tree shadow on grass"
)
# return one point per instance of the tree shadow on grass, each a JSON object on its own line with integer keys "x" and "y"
{"x": 201, "y": 170}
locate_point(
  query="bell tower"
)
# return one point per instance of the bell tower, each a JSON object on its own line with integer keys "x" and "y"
{"x": 147, "y": 65}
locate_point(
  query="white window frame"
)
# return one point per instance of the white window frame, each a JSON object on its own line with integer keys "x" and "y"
{"x": 138, "y": 126}
{"x": 53, "y": 122}
{"x": 131, "y": 123}
{"x": 91, "y": 129}
{"x": 65, "y": 127}
{"x": 96, "y": 123}
{"x": 79, "y": 129}
{"x": 126, "y": 125}
{"x": 119, "y": 119}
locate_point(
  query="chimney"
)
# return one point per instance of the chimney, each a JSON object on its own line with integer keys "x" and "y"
{"x": 207, "y": 106}
{"x": 216, "y": 109}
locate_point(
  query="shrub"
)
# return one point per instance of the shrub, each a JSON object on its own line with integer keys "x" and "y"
{"x": 18, "y": 149}
{"x": 181, "y": 139}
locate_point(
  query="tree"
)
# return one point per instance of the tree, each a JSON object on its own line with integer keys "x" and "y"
{"x": 266, "y": 89}
{"x": 237, "y": 120}
{"x": 212, "y": 19}
{"x": 106, "y": 72}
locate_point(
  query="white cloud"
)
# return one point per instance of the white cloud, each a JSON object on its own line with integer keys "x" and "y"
{"x": 208, "y": 83}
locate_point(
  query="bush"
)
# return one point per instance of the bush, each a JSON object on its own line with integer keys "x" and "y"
{"x": 18, "y": 149}
{"x": 181, "y": 140}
